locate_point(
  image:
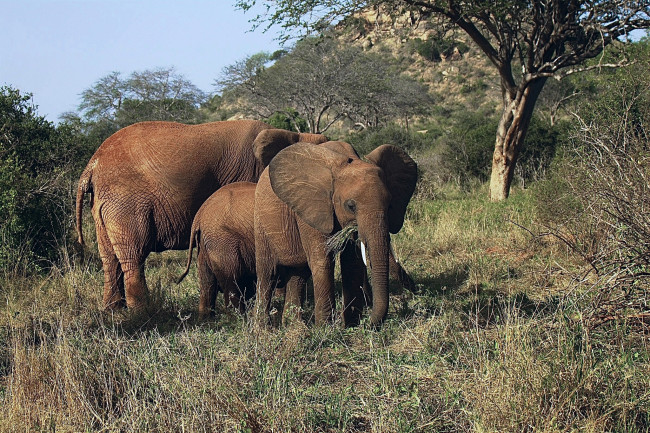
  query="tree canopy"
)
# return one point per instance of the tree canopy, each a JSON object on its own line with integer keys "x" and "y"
{"x": 158, "y": 94}
{"x": 323, "y": 82}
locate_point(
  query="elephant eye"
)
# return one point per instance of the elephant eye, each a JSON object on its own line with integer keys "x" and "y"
{"x": 350, "y": 160}
{"x": 350, "y": 205}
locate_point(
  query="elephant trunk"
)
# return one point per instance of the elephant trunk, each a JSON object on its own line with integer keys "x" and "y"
{"x": 377, "y": 242}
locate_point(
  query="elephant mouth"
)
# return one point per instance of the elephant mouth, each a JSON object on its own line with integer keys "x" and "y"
{"x": 336, "y": 242}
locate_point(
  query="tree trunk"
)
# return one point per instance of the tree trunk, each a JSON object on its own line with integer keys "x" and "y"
{"x": 515, "y": 119}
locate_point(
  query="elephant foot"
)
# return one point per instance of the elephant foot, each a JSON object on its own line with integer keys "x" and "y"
{"x": 114, "y": 303}
{"x": 137, "y": 302}
{"x": 351, "y": 317}
{"x": 291, "y": 314}
{"x": 206, "y": 313}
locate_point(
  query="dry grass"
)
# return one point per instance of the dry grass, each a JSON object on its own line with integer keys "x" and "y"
{"x": 492, "y": 341}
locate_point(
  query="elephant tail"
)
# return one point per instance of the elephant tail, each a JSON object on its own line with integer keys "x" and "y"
{"x": 85, "y": 187}
{"x": 194, "y": 236}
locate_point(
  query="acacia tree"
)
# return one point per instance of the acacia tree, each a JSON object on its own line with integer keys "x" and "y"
{"x": 528, "y": 42}
{"x": 158, "y": 94}
{"x": 323, "y": 82}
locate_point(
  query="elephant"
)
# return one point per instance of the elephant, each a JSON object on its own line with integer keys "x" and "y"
{"x": 222, "y": 231}
{"x": 147, "y": 181}
{"x": 308, "y": 193}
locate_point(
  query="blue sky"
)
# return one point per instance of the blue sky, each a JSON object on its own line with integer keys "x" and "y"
{"x": 55, "y": 49}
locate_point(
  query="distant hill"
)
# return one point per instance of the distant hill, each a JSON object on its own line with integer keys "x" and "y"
{"x": 457, "y": 73}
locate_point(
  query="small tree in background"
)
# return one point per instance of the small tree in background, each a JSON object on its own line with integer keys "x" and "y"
{"x": 323, "y": 83}
{"x": 114, "y": 102}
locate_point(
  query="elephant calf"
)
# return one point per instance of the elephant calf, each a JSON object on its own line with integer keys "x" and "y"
{"x": 223, "y": 233}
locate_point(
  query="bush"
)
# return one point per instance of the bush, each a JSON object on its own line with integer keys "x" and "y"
{"x": 35, "y": 199}
{"x": 371, "y": 138}
{"x": 469, "y": 146}
{"x": 539, "y": 149}
{"x": 434, "y": 48}
{"x": 288, "y": 120}
{"x": 598, "y": 198}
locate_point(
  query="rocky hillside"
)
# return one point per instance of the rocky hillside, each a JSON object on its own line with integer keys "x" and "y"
{"x": 457, "y": 73}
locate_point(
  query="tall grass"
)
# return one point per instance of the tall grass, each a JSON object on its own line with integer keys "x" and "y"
{"x": 493, "y": 340}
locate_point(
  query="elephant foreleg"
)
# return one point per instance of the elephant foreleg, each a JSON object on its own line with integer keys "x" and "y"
{"x": 354, "y": 279}
{"x": 323, "y": 277}
{"x": 398, "y": 273}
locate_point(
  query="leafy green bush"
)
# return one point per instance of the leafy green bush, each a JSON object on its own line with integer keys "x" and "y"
{"x": 288, "y": 120}
{"x": 35, "y": 200}
{"x": 540, "y": 146}
{"x": 469, "y": 146}
{"x": 369, "y": 139}
{"x": 434, "y": 48}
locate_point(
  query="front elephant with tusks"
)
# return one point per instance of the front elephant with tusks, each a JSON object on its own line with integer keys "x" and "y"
{"x": 307, "y": 194}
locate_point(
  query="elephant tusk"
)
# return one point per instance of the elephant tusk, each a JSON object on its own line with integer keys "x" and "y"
{"x": 392, "y": 251}
{"x": 363, "y": 253}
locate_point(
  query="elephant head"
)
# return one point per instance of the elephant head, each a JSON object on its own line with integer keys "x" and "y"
{"x": 270, "y": 141}
{"x": 330, "y": 190}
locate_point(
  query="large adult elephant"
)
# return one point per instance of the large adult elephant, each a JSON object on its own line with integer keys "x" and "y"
{"x": 307, "y": 194}
{"x": 147, "y": 182}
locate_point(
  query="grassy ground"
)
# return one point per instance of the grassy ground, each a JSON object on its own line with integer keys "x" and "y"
{"x": 497, "y": 338}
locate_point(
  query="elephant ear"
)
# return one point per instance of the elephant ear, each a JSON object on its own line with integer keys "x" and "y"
{"x": 269, "y": 142}
{"x": 401, "y": 175}
{"x": 301, "y": 176}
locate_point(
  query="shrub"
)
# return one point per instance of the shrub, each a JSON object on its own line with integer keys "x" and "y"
{"x": 539, "y": 149}
{"x": 598, "y": 202}
{"x": 369, "y": 139}
{"x": 469, "y": 146}
{"x": 434, "y": 48}
{"x": 35, "y": 199}
{"x": 288, "y": 120}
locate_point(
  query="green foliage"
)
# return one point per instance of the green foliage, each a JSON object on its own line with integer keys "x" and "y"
{"x": 469, "y": 146}
{"x": 288, "y": 119}
{"x": 369, "y": 139}
{"x": 435, "y": 48}
{"x": 35, "y": 203}
{"x": 540, "y": 146}
{"x": 476, "y": 87}
{"x": 114, "y": 102}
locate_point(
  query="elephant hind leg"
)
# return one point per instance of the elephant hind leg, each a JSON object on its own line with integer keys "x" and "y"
{"x": 113, "y": 276}
{"x": 132, "y": 256}
{"x": 208, "y": 286}
{"x": 294, "y": 297}
{"x": 136, "y": 291}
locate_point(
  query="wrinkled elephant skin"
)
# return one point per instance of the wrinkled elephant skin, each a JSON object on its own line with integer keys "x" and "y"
{"x": 146, "y": 183}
